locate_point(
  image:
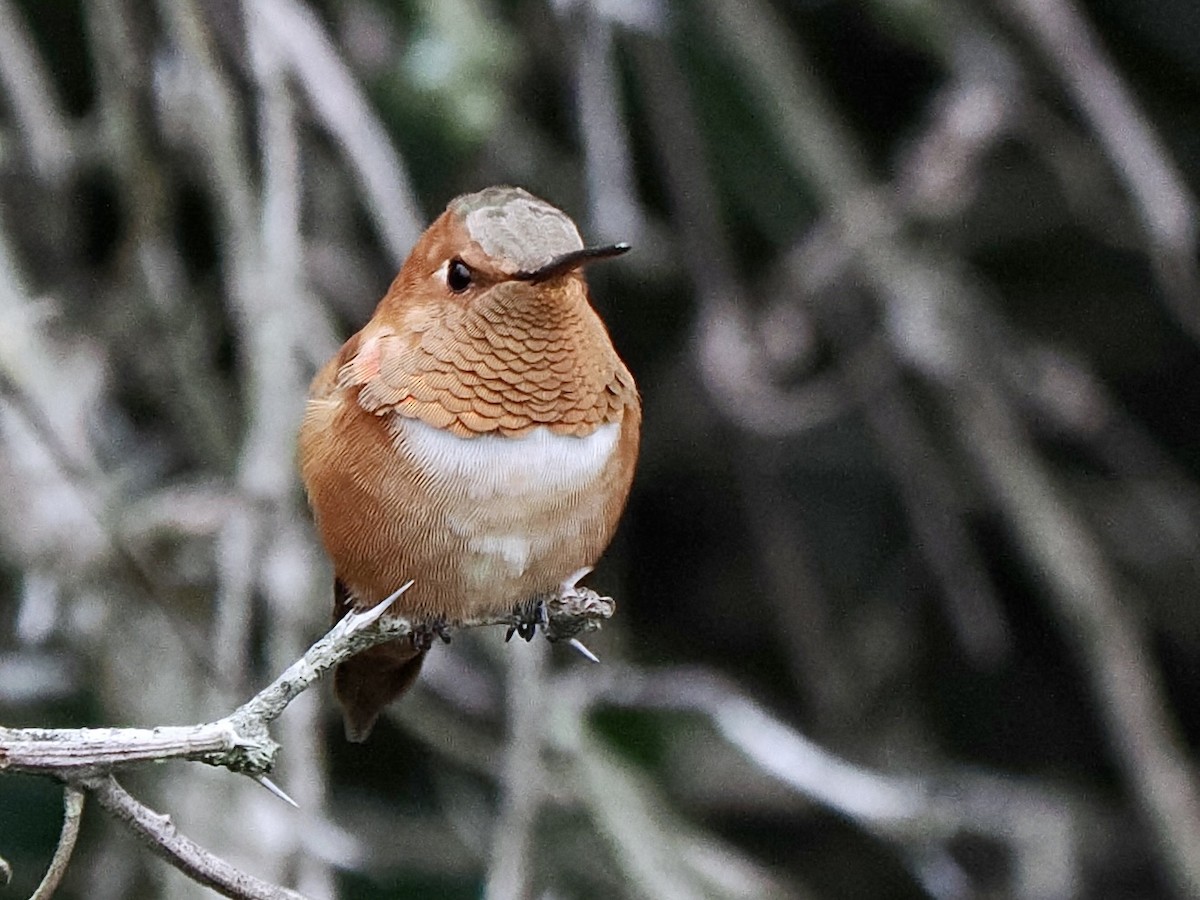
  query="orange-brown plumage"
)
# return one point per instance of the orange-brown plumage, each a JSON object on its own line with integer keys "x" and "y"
{"x": 480, "y": 441}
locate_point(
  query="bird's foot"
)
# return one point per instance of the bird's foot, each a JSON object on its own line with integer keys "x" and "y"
{"x": 424, "y": 633}
{"x": 528, "y": 617}
{"x": 564, "y": 613}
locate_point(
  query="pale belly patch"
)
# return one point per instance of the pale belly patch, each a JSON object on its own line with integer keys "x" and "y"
{"x": 513, "y": 501}
{"x": 492, "y": 466}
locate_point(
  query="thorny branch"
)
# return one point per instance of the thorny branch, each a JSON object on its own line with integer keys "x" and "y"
{"x": 86, "y": 757}
{"x": 239, "y": 741}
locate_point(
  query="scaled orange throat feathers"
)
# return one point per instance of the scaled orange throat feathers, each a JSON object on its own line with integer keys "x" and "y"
{"x": 477, "y": 436}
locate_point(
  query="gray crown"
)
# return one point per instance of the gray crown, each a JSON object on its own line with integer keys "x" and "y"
{"x": 515, "y": 228}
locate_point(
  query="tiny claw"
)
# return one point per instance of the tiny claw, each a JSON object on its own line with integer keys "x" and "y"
{"x": 423, "y": 634}
{"x": 528, "y": 617}
{"x": 275, "y": 789}
{"x": 583, "y": 651}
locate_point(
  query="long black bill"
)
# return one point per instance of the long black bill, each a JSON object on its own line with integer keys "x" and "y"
{"x": 568, "y": 261}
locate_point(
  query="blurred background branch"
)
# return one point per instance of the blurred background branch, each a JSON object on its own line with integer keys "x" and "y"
{"x": 909, "y": 574}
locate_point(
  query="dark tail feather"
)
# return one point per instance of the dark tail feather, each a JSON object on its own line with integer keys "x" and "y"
{"x": 366, "y": 683}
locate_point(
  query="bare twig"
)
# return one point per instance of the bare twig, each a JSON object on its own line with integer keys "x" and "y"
{"x": 737, "y": 375}
{"x": 86, "y": 751}
{"x": 1065, "y": 394}
{"x": 510, "y": 872}
{"x": 917, "y": 812}
{"x": 608, "y": 159}
{"x": 1166, "y": 206}
{"x": 340, "y": 104}
{"x": 77, "y": 475}
{"x": 641, "y": 832}
{"x": 656, "y": 852}
{"x": 777, "y": 67}
{"x": 72, "y": 814}
{"x": 209, "y": 111}
{"x": 159, "y": 834}
{"x": 240, "y": 741}
{"x": 1092, "y": 605}
{"x": 179, "y": 374}
{"x": 732, "y": 364}
{"x": 932, "y": 503}
{"x": 32, "y": 97}
{"x": 873, "y": 799}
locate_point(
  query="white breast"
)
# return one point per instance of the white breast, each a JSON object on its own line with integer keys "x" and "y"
{"x": 513, "y": 500}
{"x": 492, "y": 466}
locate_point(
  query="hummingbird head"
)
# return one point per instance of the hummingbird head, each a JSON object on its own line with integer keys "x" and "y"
{"x": 500, "y": 245}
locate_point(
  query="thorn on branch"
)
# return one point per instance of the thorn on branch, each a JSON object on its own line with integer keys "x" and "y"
{"x": 583, "y": 650}
{"x": 275, "y": 789}
{"x": 357, "y": 621}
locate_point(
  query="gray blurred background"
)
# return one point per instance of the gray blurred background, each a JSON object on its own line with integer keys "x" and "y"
{"x": 907, "y": 586}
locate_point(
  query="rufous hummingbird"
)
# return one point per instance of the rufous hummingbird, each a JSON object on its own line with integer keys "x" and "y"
{"x": 478, "y": 436}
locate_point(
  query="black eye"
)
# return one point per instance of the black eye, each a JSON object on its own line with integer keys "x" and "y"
{"x": 458, "y": 276}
